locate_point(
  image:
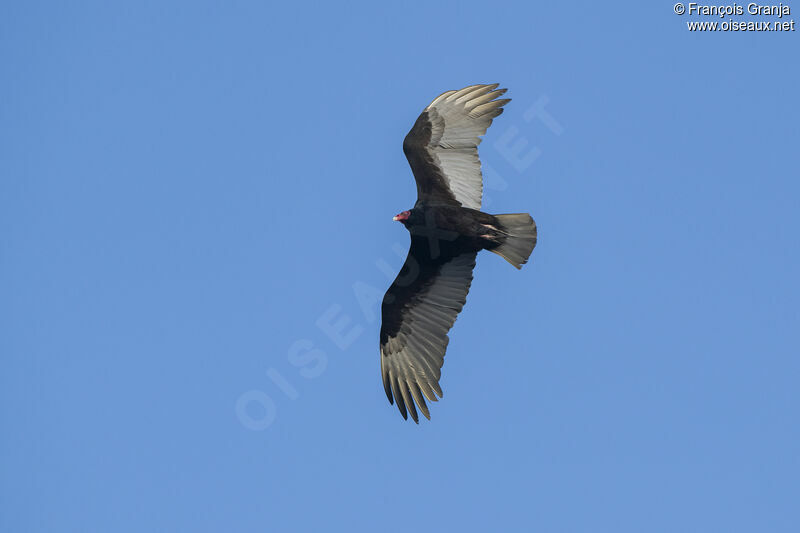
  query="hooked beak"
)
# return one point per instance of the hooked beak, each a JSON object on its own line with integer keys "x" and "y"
{"x": 395, "y": 218}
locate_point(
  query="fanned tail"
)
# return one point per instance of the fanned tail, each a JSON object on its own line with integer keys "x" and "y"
{"x": 520, "y": 238}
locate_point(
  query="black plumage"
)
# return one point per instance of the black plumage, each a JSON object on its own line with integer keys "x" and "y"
{"x": 447, "y": 232}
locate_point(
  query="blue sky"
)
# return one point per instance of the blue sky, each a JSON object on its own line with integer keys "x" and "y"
{"x": 196, "y": 203}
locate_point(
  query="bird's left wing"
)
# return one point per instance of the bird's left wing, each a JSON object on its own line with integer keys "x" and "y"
{"x": 442, "y": 147}
{"x": 417, "y": 312}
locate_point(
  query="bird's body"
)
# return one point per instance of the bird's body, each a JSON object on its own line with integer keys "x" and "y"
{"x": 461, "y": 227}
{"x": 447, "y": 232}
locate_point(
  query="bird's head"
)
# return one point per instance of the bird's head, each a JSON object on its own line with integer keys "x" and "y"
{"x": 402, "y": 217}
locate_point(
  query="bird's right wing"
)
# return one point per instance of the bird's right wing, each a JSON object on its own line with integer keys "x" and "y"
{"x": 442, "y": 147}
{"x": 417, "y": 312}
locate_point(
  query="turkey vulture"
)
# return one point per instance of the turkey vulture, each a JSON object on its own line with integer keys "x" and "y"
{"x": 447, "y": 232}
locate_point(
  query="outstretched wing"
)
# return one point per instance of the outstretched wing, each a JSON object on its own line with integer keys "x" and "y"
{"x": 442, "y": 147}
{"x": 417, "y": 312}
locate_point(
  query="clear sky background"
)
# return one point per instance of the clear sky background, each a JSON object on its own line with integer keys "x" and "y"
{"x": 195, "y": 214}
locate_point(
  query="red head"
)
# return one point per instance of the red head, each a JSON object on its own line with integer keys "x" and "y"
{"x": 402, "y": 217}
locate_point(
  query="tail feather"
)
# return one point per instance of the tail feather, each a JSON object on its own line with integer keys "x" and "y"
{"x": 520, "y": 230}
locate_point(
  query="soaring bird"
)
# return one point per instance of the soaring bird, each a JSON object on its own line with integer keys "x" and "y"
{"x": 447, "y": 232}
